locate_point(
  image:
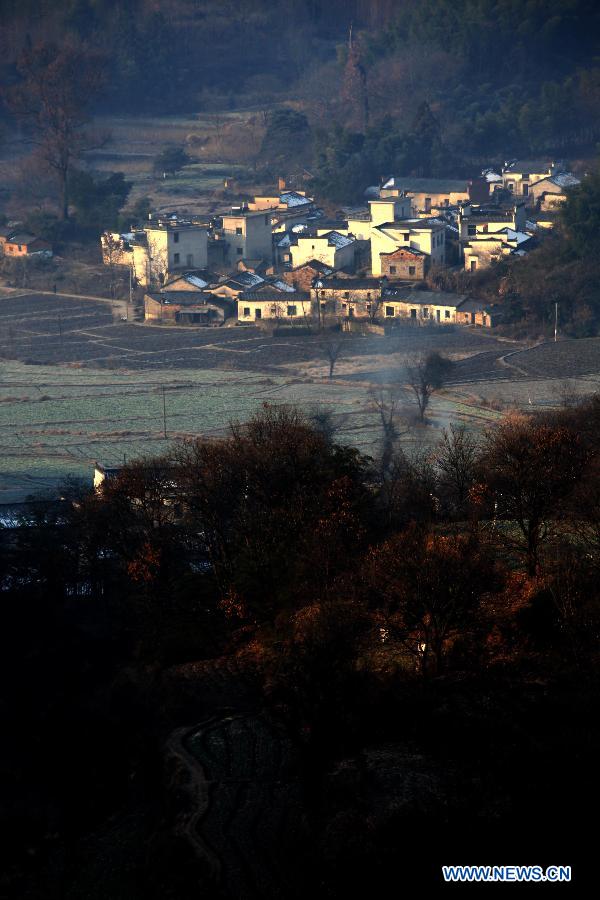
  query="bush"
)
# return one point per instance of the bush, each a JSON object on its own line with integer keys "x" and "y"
{"x": 171, "y": 160}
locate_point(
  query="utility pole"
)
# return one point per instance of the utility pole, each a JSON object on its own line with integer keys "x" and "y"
{"x": 129, "y": 304}
{"x": 164, "y": 413}
{"x": 556, "y": 322}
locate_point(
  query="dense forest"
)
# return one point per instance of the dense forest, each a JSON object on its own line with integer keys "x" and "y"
{"x": 500, "y": 77}
{"x": 423, "y": 632}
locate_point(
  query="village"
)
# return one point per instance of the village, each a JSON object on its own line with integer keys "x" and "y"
{"x": 279, "y": 260}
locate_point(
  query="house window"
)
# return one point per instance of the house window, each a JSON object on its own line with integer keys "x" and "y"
{"x": 176, "y": 237}
{"x": 406, "y": 237}
{"x": 427, "y": 204}
{"x": 413, "y": 314}
{"x": 368, "y": 295}
{"x": 425, "y": 312}
{"x": 273, "y": 310}
{"x": 189, "y": 260}
{"x": 389, "y": 311}
{"x": 240, "y": 251}
{"x": 238, "y": 230}
{"x": 291, "y": 310}
{"x": 447, "y": 314}
{"x": 346, "y": 294}
{"x": 525, "y": 189}
{"x": 176, "y": 258}
{"x": 392, "y": 270}
{"x": 344, "y": 306}
{"x": 257, "y": 313}
{"x": 323, "y": 304}
{"x": 473, "y": 265}
{"x": 411, "y": 270}
{"x": 246, "y": 310}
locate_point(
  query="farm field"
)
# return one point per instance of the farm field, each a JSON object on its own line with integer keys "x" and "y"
{"x": 217, "y": 143}
{"x": 77, "y": 386}
{"x": 56, "y": 422}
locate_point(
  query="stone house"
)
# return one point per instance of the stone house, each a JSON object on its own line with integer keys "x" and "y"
{"x": 473, "y": 221}
{"x": 269, "y": 303}
{"x": 302, "y": 277}
{"x": 332, "y": 248}
{"x": 474, "y": 312}
{"x": 171, "y": 246}
{"x": 18, "y": 244}
{"x": 426, "y": 235}
{"x": 518, "y": 176}
{"x": 429, "y": 194}
{"x": 406, "y": 263}
{"x": 347, "y": 297}
{"x": 422, "y": 307}
{"x": 550, "y": 192}
{"x": 485, "y": 249}
{"x": 248, "y": 235}
{"x": 236, "y": 284}
{"x": 191, "y": 281}
{"x": 188, "y": 308}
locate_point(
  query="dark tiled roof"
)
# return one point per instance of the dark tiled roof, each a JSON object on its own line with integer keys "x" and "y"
{"x": 269, "y": 294}
{"x": 24, "y": 238}
{"x": 188, "y": 298}
{"x": 423, "y": 298}
{"x": 407, "y": 224}
{"x": 423, "y": 185}
{"x": 475, "y": 306}
{"x": 412, "y": 250}
{"x": 315, "y": 264}
{"x": 529, "y": 166}
{"x": 349, "y": 284}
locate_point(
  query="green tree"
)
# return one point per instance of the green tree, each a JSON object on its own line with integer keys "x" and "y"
{"x": 97, "y": 201}
{"x": 580, "y": 216}
{"x": 171, "y": 160}
{"x": 288, "y": 137}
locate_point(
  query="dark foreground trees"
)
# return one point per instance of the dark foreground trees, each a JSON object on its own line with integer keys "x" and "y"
{"x": 397, "y": 626}
{"x": 531, "y": 470}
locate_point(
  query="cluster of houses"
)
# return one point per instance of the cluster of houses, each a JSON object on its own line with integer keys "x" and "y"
{"x": 279, "y": 258}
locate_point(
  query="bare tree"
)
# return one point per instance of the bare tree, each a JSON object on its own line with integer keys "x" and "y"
{"x": 217, "y": 122}
{"x": 388, "y": 402}
{"x": 332, "y": 348}
{"x": 456, "y": 461}
{"x": 56, "y": 87}
{"x": 112, "y": 252}
{"x": 425, "y": 375}
{"x": 322, "y": 419}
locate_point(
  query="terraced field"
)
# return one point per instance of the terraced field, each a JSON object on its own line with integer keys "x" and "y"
{"x": 564, "y": 359}
{"x": 77, "y": 385}
{"x": 245, "y": 815}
